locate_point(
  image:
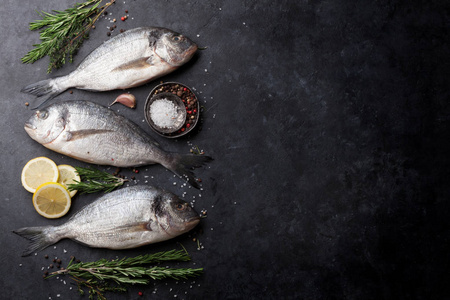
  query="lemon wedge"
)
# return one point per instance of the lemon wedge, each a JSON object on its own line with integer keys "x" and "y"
{"x": 37, "y": 171}
{"x": 68, "y": 175}
{"x": 51, "y": 200}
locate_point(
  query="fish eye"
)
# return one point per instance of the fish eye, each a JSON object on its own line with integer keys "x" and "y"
{"x": 176, "y": 38}
{"x": 180, "y": 206}
{"x": 42, "y": 114}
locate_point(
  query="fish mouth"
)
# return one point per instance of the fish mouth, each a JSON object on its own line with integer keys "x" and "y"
{"x": 193, "y": 221}
{"x": 29, "y": 126}
{"x": 190, "y": 52}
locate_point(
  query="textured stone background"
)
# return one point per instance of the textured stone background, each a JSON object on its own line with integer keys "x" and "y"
{"x": 329, "y": 125}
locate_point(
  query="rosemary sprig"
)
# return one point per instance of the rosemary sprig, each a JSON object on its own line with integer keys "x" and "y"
{"x": 114, "y": 275}
{"x": 63, "y": 32}
{"x": 93, "y": 180}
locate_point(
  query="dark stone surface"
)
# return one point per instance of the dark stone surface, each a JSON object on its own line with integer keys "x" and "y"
{"x": 329, "y": 126}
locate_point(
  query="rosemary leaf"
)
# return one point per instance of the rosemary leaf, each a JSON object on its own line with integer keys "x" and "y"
{"x": 63, "y": 32}
{"x": 93, "y": 180}
{"x": 114, "y": 275}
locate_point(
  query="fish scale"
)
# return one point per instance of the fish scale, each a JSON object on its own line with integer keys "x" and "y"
{"x": 95, "y": 134}
{"x": 132, "y": 58}
{"x": 123, "y": 219}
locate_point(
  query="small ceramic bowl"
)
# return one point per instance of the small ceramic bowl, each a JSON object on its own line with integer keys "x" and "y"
{"x": 177, "y": 121}
{"x": 189, "y": 103}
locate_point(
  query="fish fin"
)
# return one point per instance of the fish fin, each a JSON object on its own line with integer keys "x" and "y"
{"x": 182, "y": 165}
{"x": 44, "y": 89}
{"x": 79, "y": 134}
{"x": 38, "y": 236}
{"x": 140, "y": 63}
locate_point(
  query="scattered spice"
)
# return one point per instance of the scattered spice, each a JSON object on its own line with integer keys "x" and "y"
{"x": 26, "y": 103}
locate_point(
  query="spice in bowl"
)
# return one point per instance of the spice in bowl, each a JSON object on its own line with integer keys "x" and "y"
{"x": 189, "y": 102}
{"x": 166, "y": 113}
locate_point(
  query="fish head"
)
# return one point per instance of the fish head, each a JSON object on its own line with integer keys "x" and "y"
{"x": 174, "y": 48}
{"x": 45, "y": 125}
{"x": 178, "y": 215}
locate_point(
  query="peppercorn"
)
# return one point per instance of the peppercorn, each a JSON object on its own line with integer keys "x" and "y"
{"x": 108, "y": 33}
{"x": 46, "y": 256}
{"x": 51, "y": 266}
{"x": 126, "y": 11}
{"x": 140, "y": 293}
{"x": 105, "y": 13}
{"x": 123, "y": 18}
{"x": 26, "y": 103}
{"x": 58, "y": 261}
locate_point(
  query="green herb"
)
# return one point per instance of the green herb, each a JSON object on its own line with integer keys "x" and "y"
{"x": 93, "y": 180}
{"x": 197, "y": 150}
{"x": 63, "y": 32}
{"x": 114, "y": 275}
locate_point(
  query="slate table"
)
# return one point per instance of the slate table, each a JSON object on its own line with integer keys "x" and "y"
{"x": 328, "y": 122}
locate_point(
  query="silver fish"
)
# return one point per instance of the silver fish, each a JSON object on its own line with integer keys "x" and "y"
{"x": 132, "y": 58}
{"x": 127, "y": 218}
{"x": 95, "y": 134}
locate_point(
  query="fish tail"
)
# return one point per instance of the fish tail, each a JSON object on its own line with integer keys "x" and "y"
{"x": 45, "y": 90}
{"x": 182, "y": 165}
{"x": 40, "y": 238}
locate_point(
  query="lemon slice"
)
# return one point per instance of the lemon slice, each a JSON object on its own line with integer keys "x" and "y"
{"x": 68, "y": 175}
{"x": 37, "y": 171}
{"x": 51, "y": 200}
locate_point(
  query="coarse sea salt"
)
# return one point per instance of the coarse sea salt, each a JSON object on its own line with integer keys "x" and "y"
{"x": 163, "y": 113}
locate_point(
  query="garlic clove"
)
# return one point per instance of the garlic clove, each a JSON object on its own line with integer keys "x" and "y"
{"x": 129, "y": 100}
